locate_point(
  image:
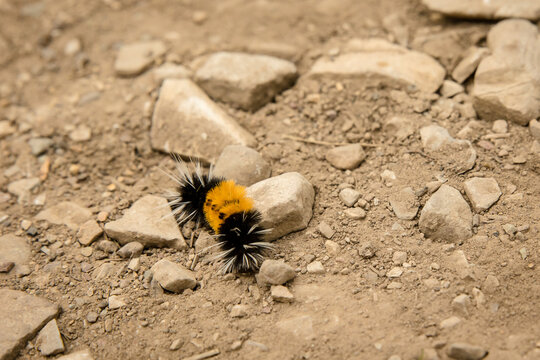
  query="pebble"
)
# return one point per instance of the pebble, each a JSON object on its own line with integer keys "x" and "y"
{"x": 463, "y": 351}
{"x": 482, "y": 192}
{"x": 89, "y": 232}
{"x": 66, "y": 213}
{"x": 130, "y": 250}
{"x": 395, "y": 272}
{"x": 326, "y": 230}
{"x": 86, "y": 251}
{"x": 107, "y": 246}
{"x": 349, "y": 196}
{"x": 461, "y": 304}
{"x": 14, "y": 249}
{"x": 534, "y": 128}
{"x": 346, "y": 157}
{"x": 457, "y": 261}
{"x": 399, "y": 257}
{"x": 500, "y": 127}
{"x": 467, "y": 66}
{"x": 78, "y": 355}
{"x": 355, "y": 213}
{"x": 281, "y": 294}
{"x": 22, "y": 188}
{"x": 236, "y": 345}
{"x": 388, "y": 176}
{"x": 102, "y": 216}
{"x": 133, "y": 59}
{"x": 6, "y": 266}
{"x": 40, "y": 145}
{"x": 332, "y": 247}
{"x": 275, "y": 272}
{"x": 72, "y": 47}
{"x": 176, "y": 344}
{"x": 479, "y": 297}
{"x": 116, "y": 302}
{"x": 92, "y": 317}
{"x": 491, "y": 284}
{"x": 315, "y": 267}
{"x": 399, "y": 127}
{"x": 239, "y": 311}
{"x": 404, "y": 203}
{"x": 81, "y": 133}
{"x": 450, "y": 88}
{"x": 134, "y": 264}
{"x": 510, "y": 229}
{"x": 450, "y": 322}
{"x": 173, "y": 277}
{"x": 49, "y": 341}
{"x": 242, "y": 164}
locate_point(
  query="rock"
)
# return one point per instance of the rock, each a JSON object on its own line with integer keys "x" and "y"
{"x": 92, "y": 317}
{"x": 500, "y": 127}
{"x": 482, "y": 192}
{"x": 39, "y": 145}
{"x": 300, "y": 326}
{"x": 446, "y": 216}
{"x": 187, "y": 122}
{"x": 66, "y": 213}
{"x": 239, "y": 311}
{"x": 468, "y": 64}
{"x": 463, "y": 351}
{"x": 173, "y": 277}
{"x": 285, "y": 203}
{"x": 434, "y": 137}
{"x": 22, "y": 315}
{"x": 346, "y": 157}
{"x": 176, "y": 344}
{"x": 479, "y": 297}
{"x": 349, "y": 196}
{"x": 6, "y": 129}
{"x": 199, "y": 17}
{"x": 130, "y": 250}
{"x": 404, "y": 204}
{"x": 78, "y": 355}
{"x": 332, "y": 247}
{"x": 510, "y": 229}
{"x": 457, "y": 262}
{"x": 22, "y": 188}
{"x": 244, "y": 80}
{"x": 147, "y": 221}
{"x": 81, "y": 133}
{"x": 399, "y": 257}
{"x": 170, "y": 71}
{"x": 107, "y": 246}
{"x": 534, "y": 128}
{"x": 116, "y": 302}
{"x": 490, "y": 284}
{"x": 450, "y": 88}
{"x": 449, "y": 323}
{"x": 395, "y": 272}
{"x": 461, "y": 304}
{"x": 134, "y": 264}
{"x": 49, "y": 341}
{"x": 243, "y": 165}
{"x": 514, "y": 49}
{"x": 275, "y": 272}
{"x": 6, "y": 266}
{"x": 135, "y": 58}
{"x": 399, "y": 127}
{"x": 481, "y": 9}
{"x": 315, "y": 267}
{"x": 281, "y": 294}
{"x": 374, "y": 60}
{"x": 89, "y": 232}
{"x": 355, "y": 213}
{"x": 326, "y": 230}
{"x": 73, "y": 47}
{"x": 15, "y": 250}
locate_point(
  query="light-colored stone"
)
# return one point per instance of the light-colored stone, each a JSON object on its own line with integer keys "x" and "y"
{"x": 446, "y": 216}
{"x": 434, "y": 137}
{"x": 66, "y": 213}
{"x": 39, "y": 145}
{"x": 399, "y": 126}
{"x": 89, "y": 232}
{"x": 346, "y": 157}
{"x": 355, "y": 213}
{"x": 275, "y": 272}
{"x": 404, "y": 204}
{"x": 77, "y": 355}
{"x": 450, "y": 322}
{"x": 468, "y": 64}
{"x": 285, "y": 203}
{"x": 148, "y": 223}
{"x": 300, "y": 326}
{"x": 332, "y": 247}
{"x": 242, "y": 164}
{"x": 22, "y": 188}
{"x": 507, "y": 83}
{"x": 534, "y": 128}
{"x": 491, "y": 284}
{"x": 463, "y": 351}
{"x": 395, "y": 272}
{"x": 187, "y": 122}
{"x": 315, "y": 267}
{"x": 450, "y": 88}
{"x": 170, "y": 71}
{"x": 399, "y": 257}
{"x": 130, "y": 250}
{"x": 49, "y": 341}
{"x": 482, "y": 192}
{"x": 245, "y": 80}
{"x": 81, "y": 133}
{"x": 461, "y": 305}
{"x": 116, "y": 302}
{"x": 133, "y": 59}
{"x": 14, "y": 249}
{"x": 349, "y": 196}
{"x": 458, "y": 262}
{"x": 281, "y": 294}
{"x": 134, "y": 264}
{"x": 72, "y": 47}
{"x": 326, "y": 230}
{"x": 500, "y": 127}
{"x": 482, "y": 9}
{"x": 172, "y": 276}
{"x": 239, "y": 311}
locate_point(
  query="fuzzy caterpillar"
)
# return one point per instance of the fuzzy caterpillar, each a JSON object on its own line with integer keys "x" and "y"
{"x": 223, "y": 206}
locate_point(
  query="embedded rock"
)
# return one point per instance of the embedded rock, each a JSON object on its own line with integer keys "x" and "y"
{"x": 14, "y": 249}
{"x": 135, "y": 58}
{"x": 482, "y": 192}
{"x": 346, "y": 157}
{"x": 66, "y": 213}
{"x": 173, "y": 277}
{"x": 275, "y": 272}
{"x": 242, "y": 164}
{"x": 404, "y": 204}
{"x": 49, "y": 341}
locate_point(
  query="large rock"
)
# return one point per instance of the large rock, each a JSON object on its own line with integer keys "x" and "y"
{"x": 135, "y": 58}
{"x": 173, "y": 277}
{"x": 482, "y": 192}
{"x": 446, "y": 216}
{"x": 376, "y": 59}
{"x": 244, "y": 80}
{"x": 482, "y": 9}
{"x": 22, "y": 317}
{"x": 66, "y": 213}
{"x": 285, "y": 202}
{"x": 14, "y": 249}
{"x": 507, "y": 83}
{"x": 150, "y": 222}
{"x": 242, "y": 164}
{"x": 188, "y": 123}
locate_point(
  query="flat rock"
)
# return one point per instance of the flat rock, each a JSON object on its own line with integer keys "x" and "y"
{"x": 285, "y": 202}
{"x": 275, "y": 272}
{"x": 446, "y": 216}
{"x": 482, "y": 192}
{"x": 66, "y": 213}
{"x": 22, "y": 188}
{"x": 481, "y": 9}
{"x": 14, "y": 249}
{"x": 245, "y": 80}
{"x": 77, "y": 355}
{"x": 300, "y": 326}
{"x": 463, "y": 351}
{"x": 326, "y": 230}
{"x": 239, "y": 311}
{"x": 130, "y": 250}
{"x": 39, "y": 145}
{"x": 173, "y": 277}
{"x": 355, "y": 213}
{"x": 349, "y": 196}
{"x": 133, "y": 59}
{"x": 458, "y": 262}
{"x": 170, "y": 71}
{"x": 242, "y": 164}
{"x": 315, "y": 267}
{"x": 281, "y": 294}
{"x": 507, "y": 83}
{"x": 468, "y": 64}
{"x": 404, "y": 204}
{"x": 450, "y": 88}
{"x": 147, "y": 221}
{"x": 187, "y": 122}
{"x": 49, "y": 341}
{"x": 346, "y": 157}
{"x": 377, "y": 60}
{"x": 22, "y": 317}
{"x": 450, "y": 322}
{"x": 89, "y": 232}
{"x": 116, "y": 302}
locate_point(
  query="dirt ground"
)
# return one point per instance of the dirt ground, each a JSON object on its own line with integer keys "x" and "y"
{"x": 342, "y": 314}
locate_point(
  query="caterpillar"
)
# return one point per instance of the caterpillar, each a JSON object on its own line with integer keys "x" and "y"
{"x": 223, "y": 206}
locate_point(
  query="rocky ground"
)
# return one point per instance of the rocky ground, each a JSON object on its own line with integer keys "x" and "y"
{"x": 393, "y": 147}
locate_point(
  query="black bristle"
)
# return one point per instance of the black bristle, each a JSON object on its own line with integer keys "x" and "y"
{"x": 193, "y": 194}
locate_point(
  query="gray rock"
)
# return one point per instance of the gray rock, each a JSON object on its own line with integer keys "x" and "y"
{"x": 346, "y": 157}
{"x": 463, "y": 351}
{"x": 446, "y": 216}
{"x": 281, "y": 294}
{"x": 244, "y": 80}
{"x": 39, "y": 145}
{"x": 299, "y": 326}
{"x": 107, "y": 246}
{"x": 242, "y": 164}
{"x": 92, "y": 317}
{"x": 173, "y": 277}
{"x": 22, "y": 317}
{"x": 89, "y": 232}
{"x": 133, "y": 59}
{"x": 147, "y": 221}
{"x": 480, "y": 9}
{"x": 285, "y": 202}
{"x": 482, "y": 192}
{"x": 187, "y": 122}
{"x": 170, "y": 71}
{"x": 22, "y": 188}
{"x": 326, "y": 230}
{"x": 315, "y": 267}
{"x": 49, "y": 341}
{"x": 468, "y": 64}
{"x": 66, "y": 213}
{"x": 355, "y": 213}
{"x": 461, "y": 305}
{"x": 349, "y": 196}
{"x": 515, "y": 48}
{"x": 14, "y": 249}
{"x": 275, "y": 272}
{"x": 78, "y": 355}
{"x": 130, "y": 250}
{"x": 450, "y": 88}
{"x": 404, "y": 204}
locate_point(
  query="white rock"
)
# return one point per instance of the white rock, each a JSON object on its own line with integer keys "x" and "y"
{"x": 481, "y": 9}
{"x": 239, "y": 311}
{"x": 463, "y": 351}
{"x": 170, "y": 71}
{"x": 72, "y": 47}
{"x": 275, "y": 272}
{"x": 450, "y": 88}
{"x": 446, "y": 216}
{"x": 135, "y": 58}
{"x": 173, "y": 277}
{"x": 349, "y": 196}
{"x": 374, "y": 60}
{"x": 482, "y": 192}
{"x": 49, "y": 341}
{"x": 281, "y": 294}
{"x": 78, "y": 355}
{"x": 346, "y": 157}
{"x": 285, "y": 202}
{"x": 326, "y": 230}
{"x": 134, "y": 264}
{"x": 187, "y": 122}
{"x": 22, "y": 188}
{"x": 388, "y": 176}
{"x": 315, "y": 267}
{"x": 39, "y": 145}
{"x": 434, "y": 137}
{"x": 66, "y": 213}
{"x": 500, "y": 127}
{"x": 242, "y": 164}
{"x": 147, "y": 222}
{"x": 467, "y": 66}
{"x": 89, "y": 232}
{"x": 81, "y": 133}
{"x": 404, "y": 204}
{"x": 244, "y": 80}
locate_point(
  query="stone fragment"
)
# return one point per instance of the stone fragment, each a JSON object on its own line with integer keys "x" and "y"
{"x": 449, "y": 323}
{"x": 239, "y": 311}
{"x": 446, "y": 216}
{"x": 242, "y": 164}
{"x": 72, "y": 47}
{"x": 399, "y": 257}
{"x": 346, "y": 157}
{"x": 275, "y": 272}
{"x": 479, "y": 297}
{"x": 89, "y": 232}
{"x": 355, "y": 213}
{"x": 482, "y": 192}
{"x": 374, "y": 60}
{"x": 187, "y": 122}
{"x": 481, "y": 9}
{"x": 399, "y": 126}
{"x": 500, "y": 127}
{"x": 49, "y": 341}
{"x": 299, "y": 326}
{"x": 39, "y": 145}
{"x": 6, "y": 266}
{"x": 285, "y": 203}
{"x": 461, "y": 304}
{"x": 315, "y": 267}
{"x": 81, "y": 133}
{"x": 245, "y": 80}
{"x": 463, "y": 351}
{"x": 173, "y": 277}
{"x": 15, "y": 250}
{"x": 77, "y": 355}
{"x": 395, "y": 272}
{"x": 281, "y": 294}
{"x": 534, "y": 128}
{"x": 450, "y": 88}
{"x": 134, "y": 264}
{"x": 170, "y": 71}
{"x": 404, "y": 204}
{"x": 467, "y": 66}
{"x": 176, "y": 344}
{"x": 515, "y": 48}
{"x": 490, "y": 284}
{"x": 457, "y": 261}
{"x": 116, "y": 302}
{"x": 147, "y": 221}
{"x": 66, "y": 213}
{"x": 332, "y": 247}
{"x": 326, "y": 230}
{"x": 22, "y": 188}
{"x": 349, "y": 196}
{"x": 130, "y": 250}
{"x": 133, "y": 59}
{"x": 22, "y": 315}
